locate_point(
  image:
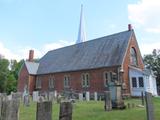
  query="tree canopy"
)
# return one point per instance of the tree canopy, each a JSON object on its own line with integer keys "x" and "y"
{"x": 152, "y": 61}
{"x": 9, "y": 75}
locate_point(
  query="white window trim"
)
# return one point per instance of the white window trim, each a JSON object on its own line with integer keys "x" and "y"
{"x": 137, "y": 81}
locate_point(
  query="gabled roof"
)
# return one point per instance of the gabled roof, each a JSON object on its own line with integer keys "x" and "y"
{"x": 32, "y": 67}
{"x": 101, "y": 52}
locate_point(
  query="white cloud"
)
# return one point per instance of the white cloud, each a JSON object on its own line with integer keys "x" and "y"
{"x": 148, "y": 48}
{"x": 55, "y": 45}
{"x": 22, "y": 53}
{"x": 7, "y": 53}
{"x": 145, "y": 13}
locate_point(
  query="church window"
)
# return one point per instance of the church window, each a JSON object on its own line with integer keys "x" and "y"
{"x": 134, "y": 82}
{"x": 109, "y": 77}
{"x": 51, "y": 82}
{"x": 85, "y": 80}
{"x": 133, "y": 57}
{"x": 141, "y": 83}
{"x": 38, "y": 83}
{"x": 66, "y": 80}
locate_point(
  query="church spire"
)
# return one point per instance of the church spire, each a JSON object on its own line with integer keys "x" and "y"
{"x": 81, "y": 33}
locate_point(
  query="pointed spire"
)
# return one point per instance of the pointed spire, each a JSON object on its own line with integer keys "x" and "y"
{"x": 81, "y": 33}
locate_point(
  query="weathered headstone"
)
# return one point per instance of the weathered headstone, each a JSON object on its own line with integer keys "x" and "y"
{"x": 0, "y": 103}
{"x": 35, "y": 96}
{"x": 80, "y": 96}
{"x": 51, "y": 96}
{"x": 87, "y": 96}
{"x": 65, "y": 111}
{"x": 107, "y": 101}
{"x": 149, "y": 106}
{"x": 142, "y": 97}
{"x": 95, "y": 96}
{"x": 55, "y": 93}
{"x": 16, "y": 96}
{"x": 26, "y": 96}
{"x": 44, "y": 111}
{"x": 10, "y": 110}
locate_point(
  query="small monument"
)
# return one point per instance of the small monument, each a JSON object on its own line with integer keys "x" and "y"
{"x": 26, "y": 96}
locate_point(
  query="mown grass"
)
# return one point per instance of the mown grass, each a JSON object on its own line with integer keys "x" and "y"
{"x": 95, "y": 111}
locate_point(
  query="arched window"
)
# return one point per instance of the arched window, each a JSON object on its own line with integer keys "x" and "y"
{"x": 133, "y": 57}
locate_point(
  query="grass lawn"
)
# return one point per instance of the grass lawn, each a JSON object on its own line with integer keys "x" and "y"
{"x": 95, "y": 111}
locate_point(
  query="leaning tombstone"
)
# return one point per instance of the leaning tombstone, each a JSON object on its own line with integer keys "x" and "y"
{"x": 149, "y": 106}
{"x": 107, "y": 101}
{"x": 65, "y": 111}
{"x": 44, "y": 110}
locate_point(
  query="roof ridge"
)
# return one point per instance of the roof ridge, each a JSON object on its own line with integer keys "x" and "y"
{"x": 91, "y": 40}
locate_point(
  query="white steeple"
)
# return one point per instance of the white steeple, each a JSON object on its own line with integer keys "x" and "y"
{"x": 82, "y": 32}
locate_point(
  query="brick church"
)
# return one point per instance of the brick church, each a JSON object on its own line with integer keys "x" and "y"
{"x": 87, "y": 66}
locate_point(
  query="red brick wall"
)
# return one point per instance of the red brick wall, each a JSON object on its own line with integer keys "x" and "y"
{"x": 23, "y": 78}
{"x": 31, "y": 83}
{"x": 132, "y": 43}
{"x": 96, "y": 80}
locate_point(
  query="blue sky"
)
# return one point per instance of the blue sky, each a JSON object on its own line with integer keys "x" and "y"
{"x": 43, "y": 25}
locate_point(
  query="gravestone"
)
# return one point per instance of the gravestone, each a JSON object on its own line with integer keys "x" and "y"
{"x": 51, "y": 96}
{"x": 107, "y": 101}
{"x": 87, "y": 96}
{"x": 142, "y": 97}
{"x": 80, "y": 96}
{"x": 65, "y": 111}
{"x": 26, "y": 96}
{"x": 44, "y": 110}
{"x": 116, "y": 95}
{"x": 149, "y": 106}
{"x": 95, "y": 96}
{"x": 55, "y": 94}
{"x": 16, "y": 96}
{"x": 35, "y": 96}
{"x": 0, "y": 103}
{"x": 10, "y": 110}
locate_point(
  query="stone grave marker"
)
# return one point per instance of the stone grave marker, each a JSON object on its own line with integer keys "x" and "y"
{"x": 51, "y": 96}
{"x": 35, "y": 96}
{"x": 95, "y": 96}
{"x": 149, "y": 106}
{"x": 10, "y": 110}
{"x": 65, "y": 111}
{"x": 80, "y": 96}
{"x": 107, "y": 101}
{"x": 44, "y": 110}
{"x": 87, "y": 96}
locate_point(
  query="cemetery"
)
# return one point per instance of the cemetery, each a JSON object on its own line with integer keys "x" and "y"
{"x": 20, "y": 107}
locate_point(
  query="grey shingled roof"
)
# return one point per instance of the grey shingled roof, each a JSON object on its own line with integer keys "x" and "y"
{"x": 32, "y": 67}
{"x": 101, "y": 52}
